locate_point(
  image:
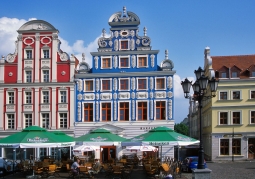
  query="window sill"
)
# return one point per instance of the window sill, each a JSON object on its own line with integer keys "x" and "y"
{"x": 226, "y": 156}
{"x": 224, "y": 125}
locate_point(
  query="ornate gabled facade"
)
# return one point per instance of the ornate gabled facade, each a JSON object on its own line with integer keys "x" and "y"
{"x": 37, "y": 82}
{"x": 229, "y": 118}
{"x": 125, "y": 88}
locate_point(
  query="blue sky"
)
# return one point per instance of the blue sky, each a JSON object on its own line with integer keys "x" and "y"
{"x": 184, "y": 28}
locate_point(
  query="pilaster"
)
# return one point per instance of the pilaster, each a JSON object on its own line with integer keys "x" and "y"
{"x": 36, "y": 105}
{"x": 37, "y": 58}
{"x": 20, "y": 61}
{"x": 19, "y": 112}
{"x": 53, "y": 108}
{"x": 2, "y": 106}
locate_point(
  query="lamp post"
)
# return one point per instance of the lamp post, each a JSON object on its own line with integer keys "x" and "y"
{"x": 200, "y": 87}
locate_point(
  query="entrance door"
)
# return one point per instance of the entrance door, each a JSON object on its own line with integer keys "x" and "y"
{"x": 251, "y": 148}
{"x": 108, "y": 153}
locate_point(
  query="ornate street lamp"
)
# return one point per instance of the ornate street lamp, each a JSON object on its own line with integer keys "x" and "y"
{"x": 200, "y": 87}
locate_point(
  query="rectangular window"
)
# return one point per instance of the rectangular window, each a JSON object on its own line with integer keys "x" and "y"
{"x": 236, "y": 94}
{"x": 45, "y": 96}
{"x": 224, "y": 146}
{"x": 234, "y": 74}
{"x": 11, "y": 122}
{"x": 142, "y": 84}
{"x": 88, "y": 112}
{"x": 106, "y": 112}
{"x": 142, "y": 110}
{"x": 28, "y": 98}
{"x": 29, "y": 54}
{"x": 124, "y": 45}
{"x": 124, "y": 111}
{"x": 253, "y": 74}
{"x": 223, "y": 95}
{"x": 252, "y": 94}
{"x": 11, "y": 97}
{"x": 124, "y": 84}
{"x": 63, "y": 96}
{"x": 223, "y": 118}
{"x": 160, "y": 110}
{"x": 223, "y": 75}
{"x": 252, "y": 117}
{"x": 236, "y": 146}
{"x": 106, "y": 62}
{"x": 124, "y": 62}
{"x": 45, "y": 120}
{"x": 160, "y": 83}
{"x": 89, "y": 85}
{"x": 63, "y": 120}
{"x": 236, "y": 117}
{"x": 46, "y": 54}
{"x": 106, "y": 85}
{"x": 28, "y": 120}
{"x": 46, "y": 76}
{"x": 28, "y": 76}
{"x": 142, "y": 61}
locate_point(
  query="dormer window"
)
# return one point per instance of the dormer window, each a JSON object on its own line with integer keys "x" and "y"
{"x": 223, "y": 75}
{"x": 234, "y": 75}
{"x": 235, "y": 71}
{"x": 106, "y": 62}
{"x": 253, "y": 74}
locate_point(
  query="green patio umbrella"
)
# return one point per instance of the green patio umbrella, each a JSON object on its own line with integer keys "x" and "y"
{"x": 34, "y": 137}
{"x": 99, "y": 137}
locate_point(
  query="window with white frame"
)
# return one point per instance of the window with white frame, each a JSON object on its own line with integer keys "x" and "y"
{"x": 223, "y": 95}
{"x": 160, "y": 110}
{"x": 88, "y": 112}
{"x": 236, "y": 95}
{"x": 63, "y": 120}
{"x": 11, "y": 98}
{"x": 142, "y": 110}
{"x": 224, "y": 146}
{"x": 46, "y": 53}
{"x": 28, "y": 120}
{"x": 252, "y": 94}
{"x": 45, "y": 120}
{"x": 89, "y": 85}
{"x": 236, "y": 146}
{"x": 11, "y": 121}
{"x": 124, "y": 62}
{"x": 45, "y": 97}
{"x": 236, "y": 117}
{"x": 106, "y": 84}
{"x": 124, "y": 44}
{"x": 28, "y": 95}
{"x": 142, "y": 84}
{"x": 160, "y": 83}
{"x": 123, "y": 111}
{"x": 124, "y": 84}
{"x": 63, "y": 97}
{"x": 223, "y": 118}
{"x": 28, "y": 76}
{"x": 106, "y": 114}
{"x": 106, "y": 62}
{"x": 252, "y": 117}
{"x": 46, "y": 75}
{"x": 142, "y": 61}
{"x": 29, "y": 54}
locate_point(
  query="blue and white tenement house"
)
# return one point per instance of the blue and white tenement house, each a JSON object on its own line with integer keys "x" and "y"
{"x": 126, "y": 90}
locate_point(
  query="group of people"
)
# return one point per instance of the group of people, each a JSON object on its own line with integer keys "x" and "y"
{"x": 76, "y": 165}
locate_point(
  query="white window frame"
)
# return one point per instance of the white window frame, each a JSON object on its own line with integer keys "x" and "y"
{"x": 128, "y": 41}
{"x": 42, "y": 98}
{"x": 59, "y": 115}
{"x": 12, "y": 119}
{"x": 250, "y": 94}
{"x": 60, "y": 96}
{"x": 166, "y": 111}
{"x": 137, "y": 61}
{"x": 28, "y": 119}
{"x": 137, "y": 86}
{"x": 231, "y": 117}
{"x": 250, "y": 111}
{"x": 25, "y": 53}
{"x": 112, "y": 117}
{"x": 240, "y": 92}
{"x": 83, "y": 115}
{"x": 28, "y": 57}
{"x": 43, "y": 75}
{"x": 8, "y": 97}
{"x": 26, "y": 97}
{"x": 223, "y": 92}
{"x": 45, "y": 118}
{"x": 228, "y": 119}
{"x": 124, "y": 56}
{"x": 129, "y": 103}
{"x": 148, "y": 109}
{"x": 42, "y": 53}
{"x": 128, "y": 84}
{"x": 26, "y": 76}
{"x": 84, "y": 85}
{"x": 156, "y": 83}
{"x": 101, "y": 83}
{"x": 104, "y": 57}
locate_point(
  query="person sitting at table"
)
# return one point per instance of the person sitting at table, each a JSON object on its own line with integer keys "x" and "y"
{"x": 75, "y": 167}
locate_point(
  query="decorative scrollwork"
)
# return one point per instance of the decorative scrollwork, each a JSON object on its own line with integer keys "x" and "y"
{"x": 146, "y": 41}
{"x": 102, "y": 42}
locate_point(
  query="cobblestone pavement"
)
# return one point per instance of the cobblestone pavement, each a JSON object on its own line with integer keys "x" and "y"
{"x": 230, "y": 170}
